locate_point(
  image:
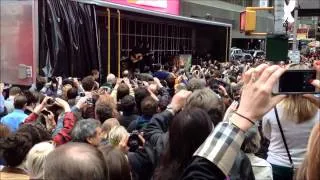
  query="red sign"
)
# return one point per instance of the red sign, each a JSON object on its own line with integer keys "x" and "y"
{"x": 165, "y": 6}
{"x": 242, "y": 21}
{"x": 302, "y": 30}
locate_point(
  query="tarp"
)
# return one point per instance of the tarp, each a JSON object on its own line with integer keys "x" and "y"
{"x": 68, "y": 38}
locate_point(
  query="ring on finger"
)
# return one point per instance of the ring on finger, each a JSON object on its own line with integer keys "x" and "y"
{"x": 253, "y": 76}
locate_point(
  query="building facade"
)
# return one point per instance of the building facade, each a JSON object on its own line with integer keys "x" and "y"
{"x": 228, "y": 11}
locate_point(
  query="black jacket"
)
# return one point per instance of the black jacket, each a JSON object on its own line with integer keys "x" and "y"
{"x": 156, "y": 136}
{"x": 155, "y": 132}
{"x": 126, "y": 120}
{"x": 144, "y": 161}
{"x": 201, "y": 168}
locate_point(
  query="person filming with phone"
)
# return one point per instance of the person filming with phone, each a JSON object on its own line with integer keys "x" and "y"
{"x": 288, "y": 126}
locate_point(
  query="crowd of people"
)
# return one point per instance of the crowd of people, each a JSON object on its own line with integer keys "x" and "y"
{"x": 213, "y": 121}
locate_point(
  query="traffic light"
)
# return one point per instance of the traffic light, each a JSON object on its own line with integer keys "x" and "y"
{"x": 248, "y": 21}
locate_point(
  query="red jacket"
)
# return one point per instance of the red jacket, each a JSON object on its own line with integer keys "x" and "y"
{"x": 63, "y": 135}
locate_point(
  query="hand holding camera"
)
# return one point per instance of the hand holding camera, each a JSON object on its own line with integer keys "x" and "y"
{"x": 49, "y": 118}
{"x": 85, "y": 100}
{"x": 64, "y": 104}
{"x": 46, "y": 101}
{"x": 131, "y": 142}
{"x": 256, "y": 97}
{"x": 135, "y": 141}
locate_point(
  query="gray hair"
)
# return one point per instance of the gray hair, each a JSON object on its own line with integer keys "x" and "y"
{"x": 195, "y": 84}
{"x": 252, "y": 140}
{"x": 209, "y": 101}
{"x": 111, "y": 78}
{"x": 84, "y": 129}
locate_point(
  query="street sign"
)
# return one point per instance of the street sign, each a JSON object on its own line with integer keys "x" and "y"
{"x": 288, "y": 8}
{"x": 294, "y": 56}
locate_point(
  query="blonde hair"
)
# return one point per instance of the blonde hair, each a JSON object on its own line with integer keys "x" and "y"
{"x": 297, "y": 108}
{"x": 36, "y": 159}
{"x": 309, "y": 169}
{"x": 116, "y": 134}
{"x": 107, "y": 126}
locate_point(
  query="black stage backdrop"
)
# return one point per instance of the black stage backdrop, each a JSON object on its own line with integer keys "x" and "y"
{"x": 68, "y": 43}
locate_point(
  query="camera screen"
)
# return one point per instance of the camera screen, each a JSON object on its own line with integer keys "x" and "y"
{"x": 297, "y": 81}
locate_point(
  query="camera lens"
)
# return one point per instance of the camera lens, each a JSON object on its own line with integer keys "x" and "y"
{"x": 134, "y": 142}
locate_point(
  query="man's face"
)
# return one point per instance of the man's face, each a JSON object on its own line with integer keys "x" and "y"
{"x": 95, "y": 141}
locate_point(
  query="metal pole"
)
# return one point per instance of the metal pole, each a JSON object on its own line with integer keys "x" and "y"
{"x": 227, "y": 35}
{"x": 109, "y": 52}
{"x": 278, "y": 16}
{"x": 294, "y": 44}
{"x": 119, "y": 41}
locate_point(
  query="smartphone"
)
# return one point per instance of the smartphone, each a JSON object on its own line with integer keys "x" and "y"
{"x": 51, "y": 101}
{"x": 296, "y": 82}
{"x": 45, "y": 112}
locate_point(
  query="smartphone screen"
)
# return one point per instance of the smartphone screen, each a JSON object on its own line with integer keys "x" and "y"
{"x": 296, "y": 81}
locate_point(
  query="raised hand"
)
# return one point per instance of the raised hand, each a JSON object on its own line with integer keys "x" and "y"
{"x": 179, "y": 100}
{"x": 256, "y": 97}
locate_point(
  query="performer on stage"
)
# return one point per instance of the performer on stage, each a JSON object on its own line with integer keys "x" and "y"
{"x": 139, "y": 57}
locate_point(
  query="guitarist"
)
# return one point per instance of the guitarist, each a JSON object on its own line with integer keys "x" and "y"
{"x": 139, "y": 57}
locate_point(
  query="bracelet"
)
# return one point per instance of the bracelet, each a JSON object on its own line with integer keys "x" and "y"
{"x": 244, "y": 118}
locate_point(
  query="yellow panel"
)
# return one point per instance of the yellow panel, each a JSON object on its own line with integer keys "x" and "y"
{"x": 250, "y": 20}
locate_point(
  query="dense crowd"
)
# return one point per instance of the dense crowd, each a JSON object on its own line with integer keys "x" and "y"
{"x": 213, "y": 121}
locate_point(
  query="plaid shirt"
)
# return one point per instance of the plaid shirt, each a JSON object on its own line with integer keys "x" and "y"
{"x": 222, "y": 146}
{"x": 63, "y": 135}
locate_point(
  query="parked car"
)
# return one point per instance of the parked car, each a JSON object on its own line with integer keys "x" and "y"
{"x": 235, "y": 53}
{"x": 258, "y": 54}
{"x": 246, "y": 57}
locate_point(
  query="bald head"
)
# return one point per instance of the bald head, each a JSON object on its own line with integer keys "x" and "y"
{"x": 75, "y": 161}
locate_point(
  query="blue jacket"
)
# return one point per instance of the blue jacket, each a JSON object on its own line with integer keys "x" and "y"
{"x": 139, "y": 123}
{"x": 14, "y": 119}
{"x": 162, "y": 75}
